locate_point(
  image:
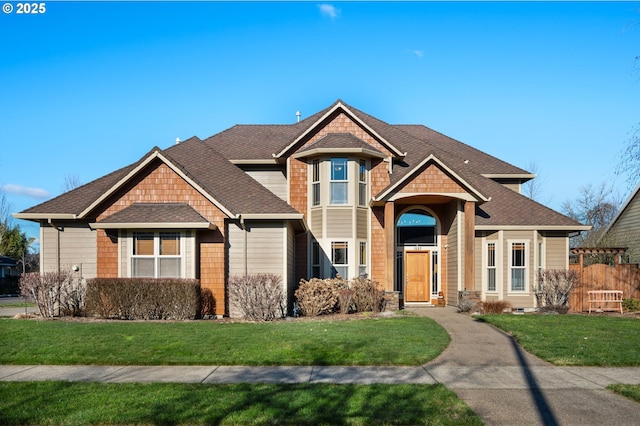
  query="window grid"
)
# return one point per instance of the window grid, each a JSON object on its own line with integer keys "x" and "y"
{"x": 156, "y": 255}
{"x": 315, "y": 182}
{"x": 362, "y": 184}
{"x": 340, "y": 258}
{"x": 362, "y": 262}
{"x": 518, "y": 266}
{"x": 491, "y": 267}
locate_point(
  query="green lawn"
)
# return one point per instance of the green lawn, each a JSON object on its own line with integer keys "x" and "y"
{"x": 575, "y": 339}
{"x": 238, "y": 404}
{"x": 404, "y": 340}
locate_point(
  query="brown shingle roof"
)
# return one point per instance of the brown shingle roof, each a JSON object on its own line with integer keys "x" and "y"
{"x": 156, "y": 213}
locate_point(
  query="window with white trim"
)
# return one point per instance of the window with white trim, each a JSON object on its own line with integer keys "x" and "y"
{"x": 491, "y": 267}
{"x": 156, "y": 255}
{"x": 340, "y": 258}
{"x": 315, "y": 183}
{"x": 362, "y": 184}
{"x": 339, "y": 185}
{"x": 362, "y": 259}
{"x": 518, "y": 266}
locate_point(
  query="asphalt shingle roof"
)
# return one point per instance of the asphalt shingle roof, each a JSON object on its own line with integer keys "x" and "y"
{"x": 156, "y": 213}
{"x": 207, "y": 163}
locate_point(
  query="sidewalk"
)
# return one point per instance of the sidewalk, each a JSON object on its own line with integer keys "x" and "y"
{"x": 501, "y": 382}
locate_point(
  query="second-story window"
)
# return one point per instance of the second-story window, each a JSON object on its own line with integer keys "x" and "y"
{"x": 362, "y": 183}
{"x": 339, "y": 181}
{"x": 315, "y": 182}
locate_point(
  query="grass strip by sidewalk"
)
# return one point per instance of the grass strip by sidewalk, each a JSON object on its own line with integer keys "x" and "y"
{"x": 67, "y": 403}
{"x": 575, "y": 339}
{"x": 630, "y": 391}
{"x": 402, "y": 340}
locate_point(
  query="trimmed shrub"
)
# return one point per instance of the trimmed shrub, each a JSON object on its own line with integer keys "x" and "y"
{"x": 143, "y": 298}
{"x": 495, "y": 306}
{"x": 257, "y": 297}
{"x": 367, "y": 297}
{"x": 207, "y": 303}
{"x": 317, "y": 297}
{"x": 55, "y": 293}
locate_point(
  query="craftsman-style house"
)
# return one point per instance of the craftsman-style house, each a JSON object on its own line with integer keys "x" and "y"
{"x": 424, "y": 215}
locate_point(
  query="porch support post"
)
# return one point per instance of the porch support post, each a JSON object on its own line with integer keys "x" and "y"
{"x": 469, "y": 243}
{"x": 389, "y": 238}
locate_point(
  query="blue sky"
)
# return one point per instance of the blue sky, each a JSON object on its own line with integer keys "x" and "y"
{"x": 88, "y": 88}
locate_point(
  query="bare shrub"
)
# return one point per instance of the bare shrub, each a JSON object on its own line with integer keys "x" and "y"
{"x": 367, "y": 297}
{"x": 316, "y": 297}
{"x": 466, "y": 305}
{"x": 345, "y": 300}
{"x": 554, "y": 286}
{"x": 54, "y": 293}
{"x": 495, "y": 306}
{"x": 258, "y": 297}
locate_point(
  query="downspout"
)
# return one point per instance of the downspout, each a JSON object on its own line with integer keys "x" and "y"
{"x": 57, "y": 243}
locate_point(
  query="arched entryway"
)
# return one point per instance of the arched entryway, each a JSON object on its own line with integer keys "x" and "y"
{"x": 418, "y": 256}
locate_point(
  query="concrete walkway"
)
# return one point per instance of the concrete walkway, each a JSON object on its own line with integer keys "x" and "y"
{"x": 501, "y": 382}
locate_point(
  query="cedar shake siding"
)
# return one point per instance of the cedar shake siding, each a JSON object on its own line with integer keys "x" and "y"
{"x": 242, "y": 203}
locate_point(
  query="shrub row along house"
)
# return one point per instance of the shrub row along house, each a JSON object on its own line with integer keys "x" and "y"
{"x": 340, "y": 192}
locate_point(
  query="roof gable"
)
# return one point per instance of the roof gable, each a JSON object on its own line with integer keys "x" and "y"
{"x": 337, "y": 108}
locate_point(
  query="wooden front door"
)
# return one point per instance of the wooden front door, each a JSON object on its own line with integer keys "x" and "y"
{"x": 418, "y": 276}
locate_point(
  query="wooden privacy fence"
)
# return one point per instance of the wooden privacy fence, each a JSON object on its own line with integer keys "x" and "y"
{"x": 625, "y": 277}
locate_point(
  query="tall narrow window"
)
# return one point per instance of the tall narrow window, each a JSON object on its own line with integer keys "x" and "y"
{"x": 315, "y": 182}
{"x": 491, "y": 267}
{"x": 156, "y": 255}
{"x": 339, "y": 181}
{"x": 316, "y": 260}
{"x": 362, "y": 262}
{"x": 362, "y": 184}
{"x": 339, "y": 259}
{"x": 518, "y": 266}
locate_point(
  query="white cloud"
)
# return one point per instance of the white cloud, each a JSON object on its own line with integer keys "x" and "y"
{"x": 418, "y": 53}
{"x": 26, "y": 191}
{"x": 329, "y": 10}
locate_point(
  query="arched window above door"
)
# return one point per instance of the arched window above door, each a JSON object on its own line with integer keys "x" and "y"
{"x": 416, "y": 227}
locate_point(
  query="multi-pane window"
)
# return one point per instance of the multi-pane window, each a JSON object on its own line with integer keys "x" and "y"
{"x": 491, "y": 267}
{"x": 156, "y": 255}
{"x": 339, "y": 181}
{"x": 518, "y": 266}
{"x": 315, "y": 182}
{"x": 316, "y": 260}
{"x": 362, "y": 183}
{"x": 362, "y": 259}
{"x": 339, "y": 259}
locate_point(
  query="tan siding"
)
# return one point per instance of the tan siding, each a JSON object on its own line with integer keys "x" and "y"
{"x": 265, "y": 241}
{"x": 77, "y": 247}
{"x": 556, "y": 252}
{"x": 316, "y": 222}
{"x": 235, "y": 240}
{"x": 525, "y": 300}
{"x": 362, "y": 225}
{"x": 290, "y": 263}
{"x": 273, "y": 180}
{"x": 477, "y": 260}
{"x": 339, "y": 223}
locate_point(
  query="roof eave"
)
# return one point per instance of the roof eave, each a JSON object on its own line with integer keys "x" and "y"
{"x": 45, "y": 216}
{"x": 154, "y": 225}
{"x": 322, "y": 151}
{"x": 533, "y": 227}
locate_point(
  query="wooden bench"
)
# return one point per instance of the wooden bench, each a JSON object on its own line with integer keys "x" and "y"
{"x": 602, "y": 298}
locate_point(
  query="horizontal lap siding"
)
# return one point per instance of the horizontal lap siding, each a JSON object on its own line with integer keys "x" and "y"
{"x": 556, "y": 255}
{"x": 77, "y": 247}
{"x": 339, "y": 223}
{"x": 273, "y": 180}
{"x": 265, "y": 249}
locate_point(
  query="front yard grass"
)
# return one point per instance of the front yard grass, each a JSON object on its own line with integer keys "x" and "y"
{"x": 604, "y": 341}
{"x": 402, "y": 340}
{"x": 236, "y": 404}
{"x": 630, "y": 391}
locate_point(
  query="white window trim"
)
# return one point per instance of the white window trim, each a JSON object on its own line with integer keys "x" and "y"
{"x": 156, "y": 243}
{"x": 526, "y": 267}
{"x": 315, "y": 163}
{"x": 365, "y": 182}
{"x": 485, "y": 265}
{"x": 348, "y": 263}
{"x": 346, "y": 181}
